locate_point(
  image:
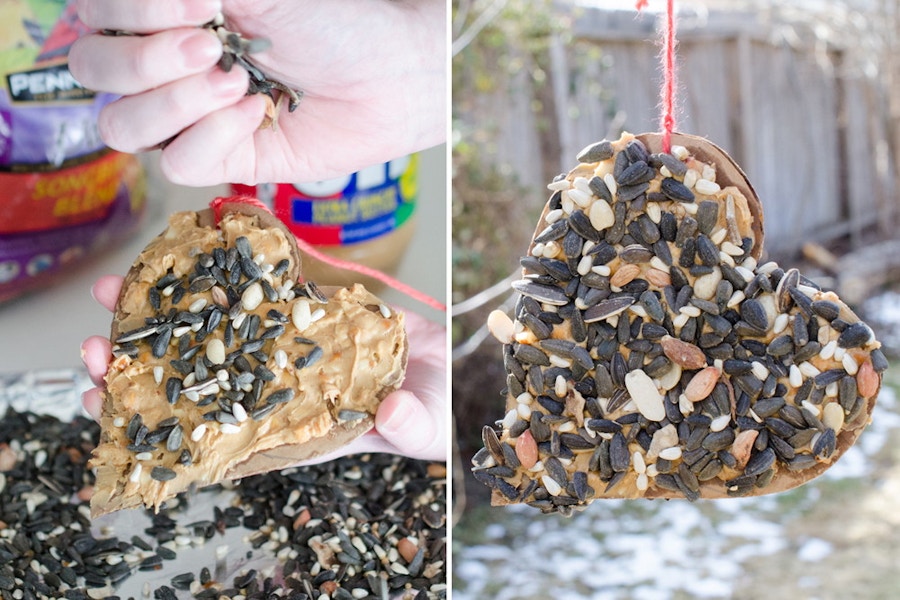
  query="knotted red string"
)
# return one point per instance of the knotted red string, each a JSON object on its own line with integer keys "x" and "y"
{"x": 667, "y": 94}
{"x": 216, "y": 206}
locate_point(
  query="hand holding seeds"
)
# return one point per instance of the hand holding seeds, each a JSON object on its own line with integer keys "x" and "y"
{"x": 369, "y": 71}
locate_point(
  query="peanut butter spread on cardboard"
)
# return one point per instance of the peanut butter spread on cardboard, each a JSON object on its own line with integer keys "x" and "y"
{"x": 225, "y": 366}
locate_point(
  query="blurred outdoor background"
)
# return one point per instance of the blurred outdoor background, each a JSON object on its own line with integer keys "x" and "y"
{"x": 805, "y": 96}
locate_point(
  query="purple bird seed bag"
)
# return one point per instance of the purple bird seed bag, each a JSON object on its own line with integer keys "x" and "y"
{"x": 63, "y": 194}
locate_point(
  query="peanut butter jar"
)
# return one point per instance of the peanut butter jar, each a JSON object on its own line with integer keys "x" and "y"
{"x": 367, "y": 217}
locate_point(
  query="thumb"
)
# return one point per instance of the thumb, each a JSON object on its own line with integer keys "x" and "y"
{"x": 408, "y": 425}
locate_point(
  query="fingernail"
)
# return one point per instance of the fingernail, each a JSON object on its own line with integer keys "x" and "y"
{"x": 84, "y": 410}
{"x": 221, "y": 81}
{"x": 84, "y": 406}
{"x": 406, "y": 414}
{"x": 199, "y": 50}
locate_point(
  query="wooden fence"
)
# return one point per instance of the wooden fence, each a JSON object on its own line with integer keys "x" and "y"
{"x": 809, "y": 129}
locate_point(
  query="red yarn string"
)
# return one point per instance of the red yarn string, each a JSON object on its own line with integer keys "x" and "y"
{"x": 667, "y": 94}
{"x": 373, "y": 273}
{"x": 216, "y": 206}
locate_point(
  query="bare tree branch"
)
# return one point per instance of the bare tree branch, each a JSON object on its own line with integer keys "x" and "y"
{"x": 484, "y": 296}
{"x": 483, "y": 20}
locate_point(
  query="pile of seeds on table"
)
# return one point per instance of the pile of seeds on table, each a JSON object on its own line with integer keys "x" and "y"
{"x": 650, "y": 356}
{"x": 358, "y": 527}
{"x": 227, "y": 373}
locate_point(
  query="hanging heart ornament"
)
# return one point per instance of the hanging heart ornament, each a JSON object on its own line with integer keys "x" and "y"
{"x": 651, "y": 355}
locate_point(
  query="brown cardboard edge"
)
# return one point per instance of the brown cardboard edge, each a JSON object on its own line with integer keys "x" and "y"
{"x": 288, "y": 455}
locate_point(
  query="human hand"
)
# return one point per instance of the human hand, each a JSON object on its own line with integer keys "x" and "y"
{"x": 411, "y": 421}
{"x": 372, "y": 72}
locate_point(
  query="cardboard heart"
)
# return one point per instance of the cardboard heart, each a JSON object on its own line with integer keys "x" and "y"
{"x": 227, "y": 365}
{"x": 651, "y": 356}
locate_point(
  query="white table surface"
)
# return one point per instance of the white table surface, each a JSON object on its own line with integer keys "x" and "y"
{"x": 44, "y": 329}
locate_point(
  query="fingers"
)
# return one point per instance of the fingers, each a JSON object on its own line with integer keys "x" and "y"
{"x": 106, "y": 291}
{"x": 130, "y": 64}
{"x": 414, "y": 418}
{"x": 204, "y": 154}
{"x": 96, "y": 352}
{"x": 92, "y": 402}
{"x": 136, "y": 123}
{"x": 427, "y": 339}
{"x": 144, "y": 17}
{"x": 410, "y": 427}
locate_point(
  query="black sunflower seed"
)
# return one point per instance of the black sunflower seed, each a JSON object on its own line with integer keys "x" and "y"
{"x": 142, "y": 437}
{"x": 213, "y": 320}
{"x": 759, "y": 462}
{"x": 269, "y": 292}
{"x": 262, "y": 412}
{"x": 166, "y": 280}
{"x": 280, "y": 396}
{"x": 619, "y": 456}
{"x": 352, "y": 415}
{"x": 675, "y": 190}
{"x": 879, "y": 362}
{"x": 853, "y": 336}
{"x": 161, "y": 343}
{"x": 162, "y": 473}
{"x": 754, "y": 314}
{"x": 636, "y": 173}
{"x": 202, "y": 284}
{"x": 158, "y": 435}
{"x": 636, "y": 254}
{"x": 134, "y": 424}
{"x": 177, "y": 294}
{"x": 542, "y": 293}
{"x": 173, "y": 442}
{"x": 154, "y": 298}
{"x": 136, "y": 334}
{"x": 250, "y": 269}
{"x": 707, "y": 216}
{"x": 825, "y": 445}
{"x": 314, "y": 355}
{"x": 262, "y": 372}
{"x": 596, "y": 152}
{"x": 554, "y": 231}
{"x": 281, "y": 267}
{"x": 600, "y": 189}
{"x": 826, "y": 309}
{"x": 707, "y": 252}
{"x": 243, "y": 247}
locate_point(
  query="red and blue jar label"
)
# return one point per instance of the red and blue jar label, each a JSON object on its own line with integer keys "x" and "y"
{"x": 345, "y": 210}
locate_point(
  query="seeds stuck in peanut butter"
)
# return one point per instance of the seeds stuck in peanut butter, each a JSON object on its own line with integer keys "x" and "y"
{"x": 213, "y": 354}
{"x": 651, "y": 355}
